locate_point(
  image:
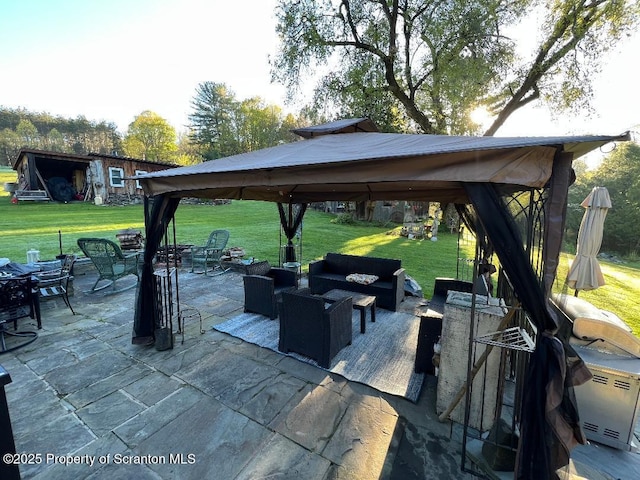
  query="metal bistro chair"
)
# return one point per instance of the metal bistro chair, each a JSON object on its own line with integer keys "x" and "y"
{"x": 56, "y": 284}
{"x": 109, "y": 261}
{"x": 210, "y": 253}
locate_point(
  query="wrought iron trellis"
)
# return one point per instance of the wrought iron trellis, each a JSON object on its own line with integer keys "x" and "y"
{"x": 527, "y": 209}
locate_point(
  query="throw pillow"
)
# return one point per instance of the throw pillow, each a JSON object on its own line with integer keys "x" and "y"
{"x": 362, "y": 278}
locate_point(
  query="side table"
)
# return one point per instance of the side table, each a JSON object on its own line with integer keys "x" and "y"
{"x": 360, "y": 302}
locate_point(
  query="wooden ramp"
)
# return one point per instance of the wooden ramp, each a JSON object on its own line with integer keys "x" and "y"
{"x": 35, "y": 195}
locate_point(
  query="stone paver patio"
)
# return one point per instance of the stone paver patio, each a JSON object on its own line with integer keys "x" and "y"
{"x": 213, "y": 407}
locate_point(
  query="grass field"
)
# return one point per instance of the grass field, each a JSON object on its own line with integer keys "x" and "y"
{"x": 255, "y": 227}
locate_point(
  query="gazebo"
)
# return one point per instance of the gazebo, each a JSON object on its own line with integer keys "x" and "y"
{"x": 510, "y": 191}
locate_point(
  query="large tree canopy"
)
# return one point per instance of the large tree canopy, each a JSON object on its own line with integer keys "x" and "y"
{"x": 151, "y": 137}
{"x": 430, "y": 63}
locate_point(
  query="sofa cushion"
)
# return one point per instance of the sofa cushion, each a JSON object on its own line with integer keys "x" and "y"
{"x": 336, "y": 277}
{"x": 346, "y": 264}
{"x": 336, "y": 263}
{"x": 259, "y": 268}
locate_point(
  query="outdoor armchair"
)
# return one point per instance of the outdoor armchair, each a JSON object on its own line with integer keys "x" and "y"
{"x": 263, "y": 287}
{"x": 209, "y": 254}
{"x": 310, "y": 329}
{"x": 109, "y": 261}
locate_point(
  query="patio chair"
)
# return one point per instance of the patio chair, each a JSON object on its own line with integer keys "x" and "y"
{"x": 17, "y": 301}
{"x": 310, "y": 329}
{"x": 56, "y": 284}
{"x": 210, "y": 253}
{"x": 109, "y": 261}
{"x": 263, "y": 287}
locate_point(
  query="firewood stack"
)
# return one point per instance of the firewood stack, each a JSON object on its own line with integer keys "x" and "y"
{"x": 130, "y": 239}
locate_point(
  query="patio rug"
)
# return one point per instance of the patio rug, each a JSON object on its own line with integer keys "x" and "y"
{"x": 382, "y": 358}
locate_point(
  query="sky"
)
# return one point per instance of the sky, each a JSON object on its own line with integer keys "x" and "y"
{"x": 113, "y": 59}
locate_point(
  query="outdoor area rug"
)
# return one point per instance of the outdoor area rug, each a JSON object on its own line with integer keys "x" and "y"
{"x": 382, "y": 358}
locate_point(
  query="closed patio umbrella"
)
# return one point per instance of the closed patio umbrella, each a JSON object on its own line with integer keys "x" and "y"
{"x": 585, "y": 273}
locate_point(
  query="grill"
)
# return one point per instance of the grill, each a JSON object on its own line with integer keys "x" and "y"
{"x": 608, "y": 404}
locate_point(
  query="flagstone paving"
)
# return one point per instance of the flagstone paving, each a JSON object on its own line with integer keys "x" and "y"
{"x": 211, "y": 407}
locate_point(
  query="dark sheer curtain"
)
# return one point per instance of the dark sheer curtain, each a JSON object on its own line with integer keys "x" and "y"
{"x": 549, "y": 423}
{"x": 503, "y": 233}
{"x": 469, "y": 218}
{"x": 157, "y": 218}
{"x": 290, "y": 222}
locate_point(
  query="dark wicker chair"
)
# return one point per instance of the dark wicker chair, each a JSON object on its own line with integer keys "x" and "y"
{"x": 310, "y": 329}
{"x": 263, "y": 286}
{"x": 431, "y": 321}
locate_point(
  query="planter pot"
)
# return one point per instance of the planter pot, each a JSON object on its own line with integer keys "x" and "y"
{"x": 10, "y": 187}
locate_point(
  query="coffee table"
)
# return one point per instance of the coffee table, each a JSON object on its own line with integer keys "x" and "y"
{"x": 360, "y": 302}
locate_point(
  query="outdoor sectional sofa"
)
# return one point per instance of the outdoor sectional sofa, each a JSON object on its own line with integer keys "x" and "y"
{"x": 331, "y": 273}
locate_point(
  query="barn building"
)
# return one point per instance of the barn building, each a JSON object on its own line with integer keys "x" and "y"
{"x": 99, "y": 178}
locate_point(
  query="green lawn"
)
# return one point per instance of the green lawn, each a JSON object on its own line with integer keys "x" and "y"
{"x": 255, "y": 227}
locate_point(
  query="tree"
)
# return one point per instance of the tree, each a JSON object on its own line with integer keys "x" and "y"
{"x": 187, "y": 151}
{"x": 150, "y": 137}
{"x": 9, "y": 146}
{"x": 433, "y": 62}
{"x": 54, "y": 141}
{"x": 620, "y": 173}
{"x": 20, "y": 128}
{"x": 223, "y": 126}
{"x": 28, "y": 134}
{"x": 212, "y": 120}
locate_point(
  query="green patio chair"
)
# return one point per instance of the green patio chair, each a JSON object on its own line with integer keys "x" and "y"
{"x": 110, "y": 262}
{"x": 209, "y": 254}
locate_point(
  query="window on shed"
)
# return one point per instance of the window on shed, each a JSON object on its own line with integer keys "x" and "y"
{"x": 140, "y": 172}
{"x": 116, "y": 177}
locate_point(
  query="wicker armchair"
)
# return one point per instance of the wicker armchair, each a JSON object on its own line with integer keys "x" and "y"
{"x": 310, "y": 329}
{"x": 431, "y": 321}
{"x": 110, "y": 262}
{"x": 263, "y": 286}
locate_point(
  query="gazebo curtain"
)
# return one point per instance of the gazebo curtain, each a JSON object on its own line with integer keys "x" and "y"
{"x": 469, "y": 218}
{"x": 156, "y": 221}
{"x": 290, "y": 222}
{"x": 549, "y": 422}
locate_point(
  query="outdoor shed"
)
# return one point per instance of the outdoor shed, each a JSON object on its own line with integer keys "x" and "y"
{"x": 96, "y": 177}
{"x": 511, "y": 192}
